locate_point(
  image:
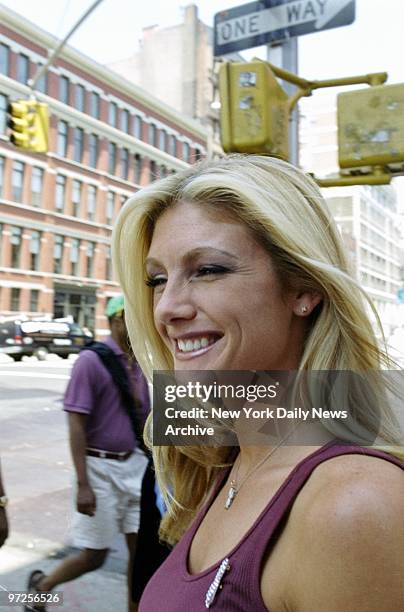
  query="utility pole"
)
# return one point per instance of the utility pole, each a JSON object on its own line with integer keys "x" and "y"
{"x": 285, "y": 55}
{"x": 32, "y": 82}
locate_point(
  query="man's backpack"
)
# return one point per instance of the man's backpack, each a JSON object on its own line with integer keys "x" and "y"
{"x": 121, "y": 379}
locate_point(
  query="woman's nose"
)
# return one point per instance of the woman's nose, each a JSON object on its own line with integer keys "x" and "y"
{"x": 174, "y": 303}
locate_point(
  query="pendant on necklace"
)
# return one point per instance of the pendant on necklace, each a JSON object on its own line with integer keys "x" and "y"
{"x": 231, "y": 495}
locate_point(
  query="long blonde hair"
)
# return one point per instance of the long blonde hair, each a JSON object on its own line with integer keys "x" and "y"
{"x": 286, "y": 212}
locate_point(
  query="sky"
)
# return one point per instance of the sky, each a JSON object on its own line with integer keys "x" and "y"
{"x": 372, "y": 43}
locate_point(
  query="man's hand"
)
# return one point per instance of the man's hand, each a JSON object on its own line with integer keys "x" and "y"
{"x": 86, "y": 501}
{"x": 3, "y": 526}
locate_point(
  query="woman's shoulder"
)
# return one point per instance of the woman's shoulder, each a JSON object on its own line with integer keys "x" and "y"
{"x": 352, "y": 487}
{"x": 348, "y": 526}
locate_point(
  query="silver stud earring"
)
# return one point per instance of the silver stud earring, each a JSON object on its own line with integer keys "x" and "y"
{"x": 304, "y": 309}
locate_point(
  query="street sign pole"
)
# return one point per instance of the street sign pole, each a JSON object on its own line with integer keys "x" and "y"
{"x": 285, "y": 55}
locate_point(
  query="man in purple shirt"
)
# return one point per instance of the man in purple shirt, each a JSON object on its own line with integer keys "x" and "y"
{"x": 108, "y": 462}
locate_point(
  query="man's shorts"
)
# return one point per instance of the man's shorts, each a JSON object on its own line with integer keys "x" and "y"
{"x": 117, "y": 486}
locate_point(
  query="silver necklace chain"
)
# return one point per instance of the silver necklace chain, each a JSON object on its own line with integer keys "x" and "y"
{"x": 235, "y": 487}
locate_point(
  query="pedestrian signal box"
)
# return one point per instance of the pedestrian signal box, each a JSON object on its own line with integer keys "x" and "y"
{"x": 254, "y": 115}
{"x": 29, "y": 125}
{"x": 371, "y": 127}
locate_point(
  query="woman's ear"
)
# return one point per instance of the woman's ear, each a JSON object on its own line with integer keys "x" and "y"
{"x": 305, "y": 302}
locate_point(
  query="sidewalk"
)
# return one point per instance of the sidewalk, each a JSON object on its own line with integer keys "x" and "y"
{"x": 101, "y": 591}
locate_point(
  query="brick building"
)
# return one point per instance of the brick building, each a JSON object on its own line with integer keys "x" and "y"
{"x": 108, "y": 138}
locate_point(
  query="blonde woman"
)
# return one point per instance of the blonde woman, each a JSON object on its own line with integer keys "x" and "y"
{"x": 236, "y": 264}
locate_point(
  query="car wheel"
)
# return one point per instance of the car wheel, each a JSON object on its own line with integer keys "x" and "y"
{"x": 17, "y": 357}
{"x": 41, "y": 353}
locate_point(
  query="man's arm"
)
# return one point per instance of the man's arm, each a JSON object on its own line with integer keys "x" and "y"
{"x": 3, "y": 516}
{"x": 86, "y": 502}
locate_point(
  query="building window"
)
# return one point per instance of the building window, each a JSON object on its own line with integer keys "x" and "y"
{"x": 60, "y": 193}
{"x": 74, "y": 255}
{"x": 137, "y": 127}
{"x": 185, "y": 151}
{"x": 35, "y": 249}
{"x": 76, "y": 198}
{"x": 15, "y": 299}
{"x": 93, "y": 150}
{"x": 80, "y": 98}
{"x": 138, "y": 169}
{"x": 34, "y": 300}
{"x": 42, "y": 84}
{"x": 17, "y": 181}
{"x": 95, "y": 105}
{"x": 173, "y": 145}
{"x": 58, "y": 254}
{"x": 111, "y": 157}
{"x": 3, "y": 113}
{"x": 91, "y": 202}
{"x": 153, "y": 135}
{"x": 125, "y": 121}
{"x": 108, "y": 263}
{"x": 153, "y": 171}
{"x": 125, "y": 164}
{"x": 16, "y": 241}
{"x": 2, "y": 164}
{"x": 198, "y": 154}
{"x": 90, "y": 259}
{"x": 63, "y": 131}
{"x": 78, "y": 144}
{"x": 110, "y": 207}
{"x": 36, "y": 186}
{"x": 22, "y": 68}
{"x": 64, "y": 88}
{"x": 4, "y": 59}
{"x": 113, "y": 114}
{"x": 163, "y": 140}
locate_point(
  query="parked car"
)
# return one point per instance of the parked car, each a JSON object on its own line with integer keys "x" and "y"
{"x": 28, "y": 337}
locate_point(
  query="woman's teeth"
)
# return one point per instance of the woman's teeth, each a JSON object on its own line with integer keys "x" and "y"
{"x": 187, "y": 346}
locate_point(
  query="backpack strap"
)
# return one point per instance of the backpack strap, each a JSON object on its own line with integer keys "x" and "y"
{"x": 121, "y": 380}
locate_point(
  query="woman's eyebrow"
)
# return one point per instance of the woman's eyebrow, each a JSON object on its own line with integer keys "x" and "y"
{"x": 197, "y": 252}
{"x": 194, "y": 254}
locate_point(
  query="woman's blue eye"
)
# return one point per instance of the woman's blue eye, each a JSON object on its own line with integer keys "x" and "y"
{"x": 155, "y": 282}
{"x": 207, "y": 270}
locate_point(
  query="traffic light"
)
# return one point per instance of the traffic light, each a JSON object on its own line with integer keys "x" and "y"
{"x": 371, "y": 128}
{"x": 254, "y": 114}
{"x": 29, "y": 125}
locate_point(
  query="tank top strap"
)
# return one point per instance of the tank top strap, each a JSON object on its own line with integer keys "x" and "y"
{"x": 255, "y": 544}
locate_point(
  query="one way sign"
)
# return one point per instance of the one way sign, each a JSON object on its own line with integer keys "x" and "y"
{"x": 267, "y": 21}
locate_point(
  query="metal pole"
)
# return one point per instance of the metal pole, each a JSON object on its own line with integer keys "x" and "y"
{"x": 42, "y": 70}
{"x": 285, "y": 55}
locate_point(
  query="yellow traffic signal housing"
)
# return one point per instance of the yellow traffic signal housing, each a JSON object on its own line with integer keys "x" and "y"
{"x": 371, "y": 127}
{"x": 254, "y": 115}
{"x": 29, "y": 125}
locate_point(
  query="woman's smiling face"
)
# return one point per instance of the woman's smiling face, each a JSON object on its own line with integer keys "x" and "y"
{"x": 218, "y": 302}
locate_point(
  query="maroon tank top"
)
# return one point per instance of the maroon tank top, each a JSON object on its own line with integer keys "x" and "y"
{"x": 236, "y": 589}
